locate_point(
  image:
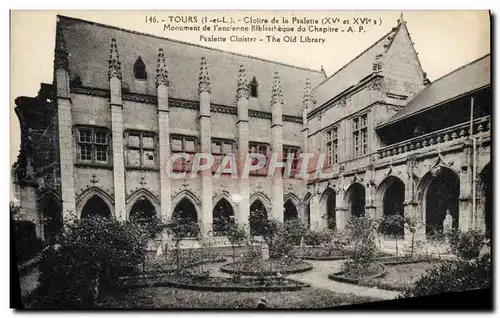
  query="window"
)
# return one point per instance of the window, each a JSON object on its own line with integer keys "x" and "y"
{"x": 220, "y": 148}
{"x": 332, "y": 146}
{"x": 296, "y": 155}
{"x": 360, "y": 135}
{"x": 262, "y": 148}
{"x": 140, "y": 69}
{"x": 254, "y": 87}
{"x": 186, "y": 144}
{"x": 93, "y": 145}
{"x": 141, "y": 149}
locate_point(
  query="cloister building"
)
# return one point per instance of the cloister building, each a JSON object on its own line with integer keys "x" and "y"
{"x": 96, "y": 140}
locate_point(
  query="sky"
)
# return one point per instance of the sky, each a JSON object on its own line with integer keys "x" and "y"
{"x": 444, "y": 40}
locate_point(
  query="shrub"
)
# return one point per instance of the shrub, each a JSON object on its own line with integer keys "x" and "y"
{"x": 391, "y": 225}
{"x": 360, "y": 233}
{"x": 316, "y": 238}
{"x": 180, "y": 228}
{"x": 296, "y": 230}
{"x": 466, "y": 245}
{"x": 89, "y": 258}
{"x": 453, "y": 276}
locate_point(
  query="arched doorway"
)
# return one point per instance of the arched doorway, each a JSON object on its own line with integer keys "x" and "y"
{"x": 441, "y": 195}
{"x": 258, "y": 217}
{"x": 223, "y": 215}
{"x": 95, "y": 207}
{"x": 290, "y": 211}
{"x": 186, "y": 212}
{"x": 356, "y": 197}
{"x": 329, "y": 203}
{"x": 52, "y": 218}
{"x": 393, "y": 204}
{"x": 142, "y": 210}
{"x": 485, "y": 178}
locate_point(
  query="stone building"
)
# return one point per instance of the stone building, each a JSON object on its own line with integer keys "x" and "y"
{"x": 98, "y": 139}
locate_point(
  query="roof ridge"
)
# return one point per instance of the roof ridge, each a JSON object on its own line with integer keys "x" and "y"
{"x": 355, "y": 58}
{"x": 389, "y": 121}
{"x": 188, "y": 43}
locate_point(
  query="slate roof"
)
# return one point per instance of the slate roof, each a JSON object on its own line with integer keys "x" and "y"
{"x": 465, "y": 79}
{"x": 89, "y": 43}
{"x": 354, "y": 71}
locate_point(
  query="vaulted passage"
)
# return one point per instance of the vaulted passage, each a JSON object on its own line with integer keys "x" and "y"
{"x": 290, "y": 211}
{"x": 52, "y": 218}
{"x": 223, "y": 215}
{"x": 330, "y": 205}
{"x": 258, "y": 216}
{"x": 186, "y": 212}
{"x": 441, "y": 196}
{"x": 394, "y": 197}
{"x": 142, "y": 210}
{"x": 356, "y": 200}
{"x": 95, "y": 207}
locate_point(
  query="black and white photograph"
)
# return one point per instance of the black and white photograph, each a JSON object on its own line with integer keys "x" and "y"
{"x": 250, "y": 159}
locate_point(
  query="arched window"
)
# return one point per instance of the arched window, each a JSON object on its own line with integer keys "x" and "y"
{"x": 142, "y": 210}
{"x": 140, "y": 69}
{"x": 96, "y": 207}
{"x": 254, "y": 88}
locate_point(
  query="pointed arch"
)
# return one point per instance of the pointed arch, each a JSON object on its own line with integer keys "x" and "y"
{"x": 390, "y": 201}
{"x": 188, "y": 195}
{"x": 254, "y": 87}
{"x": 291, "y": 207}
{"x": 306, "y": 210}
{"x": 222, "y": 215}
{"x": 437, "y": 193}
{"x": 142, "y": 194}
{"x": 51, "y": 219}
{"x": 91, "y": 193}
{"x": 263, "y": 199}
{"x": 355, "y": 199}
{"x": 140, "y": 69}
{"x": 328, "y": 204}
{"x": 257, "y": 217}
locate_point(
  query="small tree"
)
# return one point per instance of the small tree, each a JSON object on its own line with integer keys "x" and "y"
{"x": 413, "y": 226}
{"x": 360, "y": 232}
{"x": 271, "y": 234}
{"x": 236, "y": 235}
{"x": 180, "y": 228}
{"x": 390, "y": 225}
{"x": 467, "y": 245}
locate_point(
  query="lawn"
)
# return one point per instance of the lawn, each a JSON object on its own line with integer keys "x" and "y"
{"x": 164, "y": 297}
{"x": 401, "y": 276}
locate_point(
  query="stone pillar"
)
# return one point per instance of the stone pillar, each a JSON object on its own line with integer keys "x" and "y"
{"x": 277, "y": 146}
{"x": 205, "y": 143}
{"x": 341, "y": 213}
{"x": 115, "y": 86}
{"x": 413, "y": 213}
{"x": 65, "y": 124}
{"x": 307, "y": 103}
{"x": 315, "y": 212}
{"x": 465, "y": 213}
{"x": 162, "y": 84}
{"x": 242, "y": 95}
{"x": 370, "y": 208}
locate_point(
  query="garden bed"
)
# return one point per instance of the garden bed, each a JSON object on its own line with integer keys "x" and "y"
{"x": 267, "y": 268}
{"x": 207, "y": 283}
{"x": 160, "y": 268}
{"x": 328, "y": 254}
{"x": 373, "y": 272}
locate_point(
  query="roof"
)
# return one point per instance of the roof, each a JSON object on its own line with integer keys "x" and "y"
{"x": 88, "y": 44}
{"x": 465, "y": 79}
{"x": 354, "y": 71}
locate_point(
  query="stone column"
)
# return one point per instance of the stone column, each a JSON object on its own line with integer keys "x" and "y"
{"x": 162, "y": 84}
{"x": 205, "y": 143}
{"x": 242, "y": 95}
{"x": 315, "y": 212}
{"x": 277, "y": 146}
{"x": 65, "y": 124}
{"x": 341, "y": 213}
{"x": 412, "y": 209}
{"x": 115, "y": 86}
{"x": 307, "y": 103}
